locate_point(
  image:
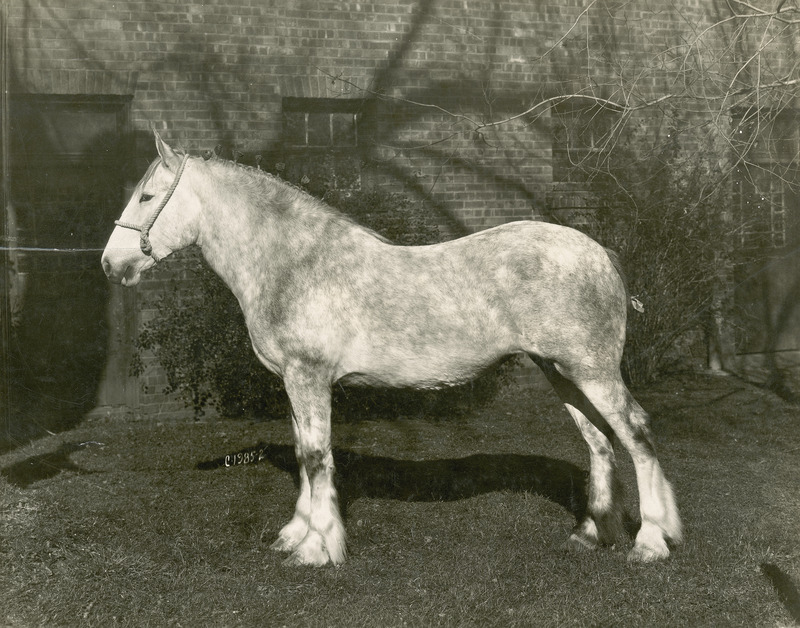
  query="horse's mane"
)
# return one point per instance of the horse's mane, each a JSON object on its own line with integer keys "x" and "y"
{"x": 291, "y": 194}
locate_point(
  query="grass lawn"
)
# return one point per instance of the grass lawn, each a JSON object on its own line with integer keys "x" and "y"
{"x": 457, "y": 522}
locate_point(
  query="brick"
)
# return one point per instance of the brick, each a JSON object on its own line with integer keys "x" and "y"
{"x": 208, "y": 66}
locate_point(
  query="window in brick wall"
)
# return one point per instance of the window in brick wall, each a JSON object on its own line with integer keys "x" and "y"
{"x": 580, "y": 135}
{"x": 321, "y": 140}
{"x": 765, "y": 182}
{"x": 321, "y": 122}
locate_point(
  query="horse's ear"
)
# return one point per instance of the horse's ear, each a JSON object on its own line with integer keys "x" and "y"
{"x": 170, "y": 158}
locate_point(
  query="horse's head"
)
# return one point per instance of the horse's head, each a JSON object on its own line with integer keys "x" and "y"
{"x": 157, "y": 220}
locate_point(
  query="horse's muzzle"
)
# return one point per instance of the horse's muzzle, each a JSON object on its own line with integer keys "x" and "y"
{"x": 115, "y": 275}
{"x": 109, "y": 271}
{"x": 125, "y": 271}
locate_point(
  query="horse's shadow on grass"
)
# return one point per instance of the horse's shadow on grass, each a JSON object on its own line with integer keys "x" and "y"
{"x": 787, "y": 591}
{"x": 380, "y": 477}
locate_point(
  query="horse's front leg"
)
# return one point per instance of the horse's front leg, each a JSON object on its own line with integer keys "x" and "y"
{"x": 295, "y": 531}
{"x": 315, "y": 535}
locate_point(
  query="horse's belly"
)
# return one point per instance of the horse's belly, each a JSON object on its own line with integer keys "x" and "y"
{"x": 421, "y": 368}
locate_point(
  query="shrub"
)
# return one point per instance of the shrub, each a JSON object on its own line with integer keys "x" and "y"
{"x": 661, "y": 208}
{"x": 200, "y": 339}
{"x": 392, "y": 215}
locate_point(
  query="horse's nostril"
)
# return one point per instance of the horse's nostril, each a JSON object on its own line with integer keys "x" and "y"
{"x": 106, "y": 267}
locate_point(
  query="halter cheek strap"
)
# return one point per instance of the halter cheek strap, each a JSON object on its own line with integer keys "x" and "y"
{"x": 144, "y": 230}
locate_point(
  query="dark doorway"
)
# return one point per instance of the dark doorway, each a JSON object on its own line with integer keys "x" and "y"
{"x": 67, "y": 157}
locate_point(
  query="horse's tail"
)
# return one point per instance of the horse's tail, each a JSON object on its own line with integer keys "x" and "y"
{"x": 632, "y": 301}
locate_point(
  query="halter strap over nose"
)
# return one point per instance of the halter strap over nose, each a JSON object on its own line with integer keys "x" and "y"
{"x": 144, "y": 230}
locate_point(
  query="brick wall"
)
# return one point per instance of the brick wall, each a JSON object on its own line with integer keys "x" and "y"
{"x": 215, "y": 72}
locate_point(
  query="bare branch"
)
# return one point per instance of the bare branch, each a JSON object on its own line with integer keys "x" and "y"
{"x": 568, "y": 31}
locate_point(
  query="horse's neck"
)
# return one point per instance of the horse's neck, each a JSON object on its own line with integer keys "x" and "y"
{"x": 248, "y": 243}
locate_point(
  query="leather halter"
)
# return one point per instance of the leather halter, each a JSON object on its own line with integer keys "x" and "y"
{"x": 144, "y": 230}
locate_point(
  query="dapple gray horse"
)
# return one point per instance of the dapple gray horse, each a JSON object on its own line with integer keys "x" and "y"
{"x": 326, "y": 300}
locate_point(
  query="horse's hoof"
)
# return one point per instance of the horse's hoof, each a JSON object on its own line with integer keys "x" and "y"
{"x": 290, "y": 536}
{"x": 584, "y": 537}
{"x": 311, "y": 552}
{"x": 579, "y": 543}
{"x": 650, "y": 545}
{"x": 648, "y": 553}
{"x": 281, "y": 545}
{"x": 306, "y": 559}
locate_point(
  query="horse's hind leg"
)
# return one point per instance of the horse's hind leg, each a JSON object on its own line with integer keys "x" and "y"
{"x": 660, "y": 520}
{"x": 603, "y": 523}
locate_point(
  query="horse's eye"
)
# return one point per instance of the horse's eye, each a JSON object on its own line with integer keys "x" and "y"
{"x": 145, "y": 197}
